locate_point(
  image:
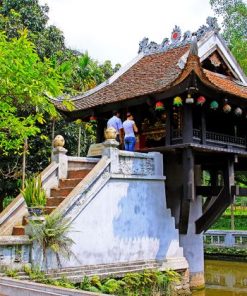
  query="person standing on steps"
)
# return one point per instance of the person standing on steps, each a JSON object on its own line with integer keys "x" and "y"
{"x": 130, "y": 129}
{"x": 116, "y": 122}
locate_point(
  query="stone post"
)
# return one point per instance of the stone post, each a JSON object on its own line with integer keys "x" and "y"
{"x": 111, "y": 150}
{"x": 192, "y": 243}
{"x": 158, "y": 163}
{"x": 60, "y": 157}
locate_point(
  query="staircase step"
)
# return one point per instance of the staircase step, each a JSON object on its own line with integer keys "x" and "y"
{"x": 110, "y": 265}
{"x": 59, "y": 192}
{"x": 64, "y": 183}
{"x": 78, "y": 174}
{"x": 18, "y": 230}
{"x": 49, "y": 209}
{"x": 76, "y": 278}
{"x": 102, "y": 270}
{"x": 54, "y": 201}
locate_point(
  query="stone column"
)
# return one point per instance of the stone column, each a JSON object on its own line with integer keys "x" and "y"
{"x": 60, "y": 157}
{"x": 111, "y": 150}
{"x": 192, "y": 243}
{"x": 158, "y": 163}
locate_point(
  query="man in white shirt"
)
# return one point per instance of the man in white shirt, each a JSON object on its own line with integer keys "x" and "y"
{"x": 116, "y": 122}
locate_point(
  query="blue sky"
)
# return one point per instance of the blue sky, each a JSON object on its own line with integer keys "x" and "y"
{"x": 112, "y": 29}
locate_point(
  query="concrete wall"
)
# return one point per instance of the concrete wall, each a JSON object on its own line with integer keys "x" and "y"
{"x": 126, "y": 221}
{"x": 14, "y": 251}
{"x": 10, "y": 287}
{"x": 120, "y": 212}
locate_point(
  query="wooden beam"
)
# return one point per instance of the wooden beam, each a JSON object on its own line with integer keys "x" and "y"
{"x": 238, "y": 191}
{"x": 223, "y": 200}
{"x": 208, "y": 191}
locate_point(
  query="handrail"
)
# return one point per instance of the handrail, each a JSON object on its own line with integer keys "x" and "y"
{"x": 223, "y": 138}
{"x": 82, "y": 159}
{"x": 84, "y": 185}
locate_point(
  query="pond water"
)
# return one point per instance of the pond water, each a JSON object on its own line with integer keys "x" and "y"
{"x": 224, "y": 278}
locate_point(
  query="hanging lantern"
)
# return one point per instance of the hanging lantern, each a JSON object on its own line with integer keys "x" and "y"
{"x": 238, "y": 111}
{"x": 214, "y": 105}
{"x": 177, "y": 101}
{"x": 93, "y": 119}
{"x": 227, "y": 108}
{"x": 189, "y": 99}
{"x": 159, "y": 106}
{"x": 200, "y": 100}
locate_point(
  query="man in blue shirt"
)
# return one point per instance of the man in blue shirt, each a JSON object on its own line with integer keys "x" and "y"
{"x": 116, "y": 122}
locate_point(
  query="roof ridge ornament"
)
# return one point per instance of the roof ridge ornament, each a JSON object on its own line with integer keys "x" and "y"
{"x": 193, "y": 45}
{"x": 177, "y": 40}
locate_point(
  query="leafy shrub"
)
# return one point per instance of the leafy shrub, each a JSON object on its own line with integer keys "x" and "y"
{"x": 223, "y": 251}
{"x": 7, "y": 200}
{"x": 11, "y": 273}
{"x": 224, "y": 222}
{"x": 145, "y": 283}
{"x": 33, "y": 192}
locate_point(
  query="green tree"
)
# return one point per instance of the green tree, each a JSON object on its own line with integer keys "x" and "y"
{"x": 27, "y": 108}
{"x": 234, "y": 14}
{"x": 15, "y": 15}
{"x": 25, "y": 85}
{"x": 33, "y": 16}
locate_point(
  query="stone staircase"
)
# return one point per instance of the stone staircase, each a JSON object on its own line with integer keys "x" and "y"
{"x": 57, "y": 195}
{"x": 76, "y": 274}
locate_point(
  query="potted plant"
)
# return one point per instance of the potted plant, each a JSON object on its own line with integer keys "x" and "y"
{"x": 52, "y": 236}
{"x": 34, "y": 195}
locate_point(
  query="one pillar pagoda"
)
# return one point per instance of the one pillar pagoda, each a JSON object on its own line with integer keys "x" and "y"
{"x": 189, "y": 99}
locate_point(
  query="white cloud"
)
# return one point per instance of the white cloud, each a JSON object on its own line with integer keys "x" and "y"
{"x": 112, "y": 29}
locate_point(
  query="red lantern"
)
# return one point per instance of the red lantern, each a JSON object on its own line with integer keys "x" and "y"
{"x": 93, "y": 119}
{"x": 159, "y": 106}
{"x": 200, "y": 100}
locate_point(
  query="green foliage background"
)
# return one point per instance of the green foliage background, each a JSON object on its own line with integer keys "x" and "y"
{"x": 36, "y": 65}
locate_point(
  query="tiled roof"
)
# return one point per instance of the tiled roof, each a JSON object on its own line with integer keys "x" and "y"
{"x": 153, "y": 74}
{"x": 150, "y": 74}
{"x": 227, "y": 84}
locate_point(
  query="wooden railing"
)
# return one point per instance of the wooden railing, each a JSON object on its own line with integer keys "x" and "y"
{"x": 211, "y": 138}
{"x": 226, "y": 139}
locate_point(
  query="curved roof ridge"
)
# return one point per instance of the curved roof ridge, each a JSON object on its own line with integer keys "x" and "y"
{"x": 211, "y": 79}
{"x": 109, "y": 81}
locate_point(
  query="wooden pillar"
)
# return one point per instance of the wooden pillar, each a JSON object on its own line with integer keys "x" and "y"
{"x": 204, "y": 128}
{"x": 188, "y": 172}
{"x": 100, "y": 130}
{"x": 229, "y": 178}
{"x": 188, "y": 192}
{"x": 168, "y": 128}
{"x": 187, "y": 124}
